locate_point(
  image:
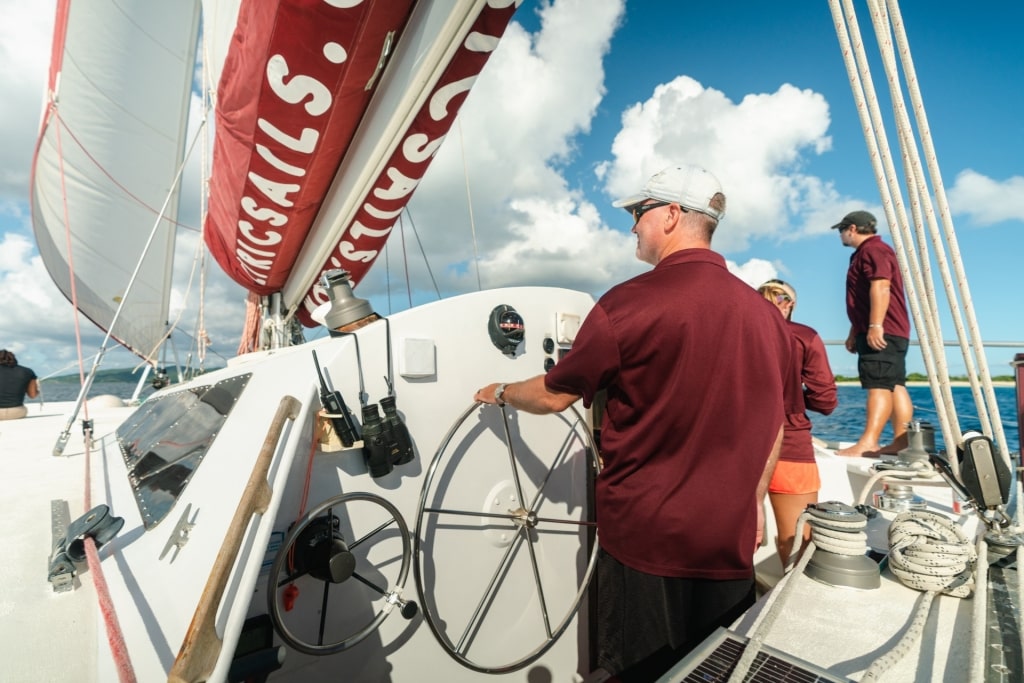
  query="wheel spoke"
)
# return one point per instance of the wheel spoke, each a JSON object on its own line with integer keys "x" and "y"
{"x": 512, "y": 456}
{"x": 370, "y": 584}
{"x": 323, "y": 612}
{"x": 511, "y": 516}
{"x": 574, "y": 522}
{"x": 536, "y": 581}
{"x": 291, "y": 577}
{"x": 469, "y": 513}
{"x": 475, "y": 620}
{"x": 562, "y": 451}
{"x": 382, "y": 527}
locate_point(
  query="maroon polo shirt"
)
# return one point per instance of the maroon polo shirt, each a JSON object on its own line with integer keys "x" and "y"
{"x": 810, "y": 385}
{"x": 693, "y": 361}
{"x": 875, "y": 260}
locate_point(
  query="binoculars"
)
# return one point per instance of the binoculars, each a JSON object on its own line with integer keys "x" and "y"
{"x": 386, "y": 441}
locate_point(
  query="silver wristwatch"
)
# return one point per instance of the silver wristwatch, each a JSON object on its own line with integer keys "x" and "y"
{"x": 499, "y": 391}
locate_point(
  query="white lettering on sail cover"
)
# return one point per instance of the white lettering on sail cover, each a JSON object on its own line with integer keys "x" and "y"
{"x": 315, "y": 99}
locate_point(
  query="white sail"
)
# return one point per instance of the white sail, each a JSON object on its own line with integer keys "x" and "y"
{"x": 109, "y": 150}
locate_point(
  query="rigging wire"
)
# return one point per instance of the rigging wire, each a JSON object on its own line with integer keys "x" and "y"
{"x": 405, "y": 260}
{"x": 387, "y": 273}
{"x": 202, "y": 339}
{"x": 423, "y": 251}
{"x": 87, "y": 382}
{"x": 469, "y": 204}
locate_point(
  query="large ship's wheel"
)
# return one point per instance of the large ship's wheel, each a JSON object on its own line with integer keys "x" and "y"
{"x": 316, "y": 555}
{"x": 505, "y": 542}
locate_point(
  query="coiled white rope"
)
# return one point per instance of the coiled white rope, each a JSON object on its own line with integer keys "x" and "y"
{"x": 929, "y": 553}
{"x": 841, "y": 537}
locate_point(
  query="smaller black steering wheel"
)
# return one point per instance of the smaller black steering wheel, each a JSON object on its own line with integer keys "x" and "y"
{"x": 315, "y": 547}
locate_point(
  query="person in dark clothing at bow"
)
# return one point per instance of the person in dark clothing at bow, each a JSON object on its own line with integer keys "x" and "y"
{"x": 16, "y": 382}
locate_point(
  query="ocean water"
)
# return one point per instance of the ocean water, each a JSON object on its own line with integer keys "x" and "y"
{"x": 847, "y": 421}
{"x": 68, "y": 391}
{"x": 844, "y": 424}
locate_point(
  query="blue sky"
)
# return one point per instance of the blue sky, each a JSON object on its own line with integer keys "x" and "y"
{"x": 582, "y": 102}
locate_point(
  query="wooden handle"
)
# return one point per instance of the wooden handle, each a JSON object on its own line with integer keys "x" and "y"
{"x": 201, "y": 648}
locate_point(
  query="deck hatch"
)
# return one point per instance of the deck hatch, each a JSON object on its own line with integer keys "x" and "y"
{"x": 164, "y": 441}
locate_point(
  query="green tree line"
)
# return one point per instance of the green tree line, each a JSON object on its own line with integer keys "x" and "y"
{"x": 918, "y": 377}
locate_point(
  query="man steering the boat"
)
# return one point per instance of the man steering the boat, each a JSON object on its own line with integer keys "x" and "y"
{"x": 879, "y": 333}
{"x": 692, "y": 360}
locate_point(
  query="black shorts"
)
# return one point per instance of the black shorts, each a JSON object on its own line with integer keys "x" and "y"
{"x": 883, "y": 369}
{"x": 646, "y": 623}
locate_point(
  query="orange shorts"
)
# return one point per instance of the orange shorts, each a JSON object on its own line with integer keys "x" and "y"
{"x": 795, "y": 478}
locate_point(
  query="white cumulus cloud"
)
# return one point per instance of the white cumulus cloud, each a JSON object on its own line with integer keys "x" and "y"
{"x": 985, "y": 200}
{"x": 754, "y": 147}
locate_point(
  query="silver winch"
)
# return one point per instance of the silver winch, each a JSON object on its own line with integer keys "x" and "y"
{"x": 899, "y": 498}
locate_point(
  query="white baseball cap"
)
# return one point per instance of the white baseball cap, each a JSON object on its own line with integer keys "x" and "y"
{"x": 691, "y": 187}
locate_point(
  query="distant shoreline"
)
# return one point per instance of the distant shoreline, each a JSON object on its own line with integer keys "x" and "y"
{"x": 922, "y": 383}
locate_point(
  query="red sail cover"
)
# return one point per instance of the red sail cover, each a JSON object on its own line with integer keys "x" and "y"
{"x": 364, "y": 237}
{"x": 291, "y": 94}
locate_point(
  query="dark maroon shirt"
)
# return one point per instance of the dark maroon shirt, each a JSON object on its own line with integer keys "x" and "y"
{"x": 810, "y": 385}
{"x": 693, "y": 361}
{"x": 875, "y": 260}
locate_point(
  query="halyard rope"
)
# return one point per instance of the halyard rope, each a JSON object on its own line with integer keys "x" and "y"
{"x": 115, "y": 636}
{"x": 920, "y": 292}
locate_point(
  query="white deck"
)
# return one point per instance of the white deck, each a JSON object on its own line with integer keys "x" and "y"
{"x": 47, "y": 636}
{"x": 845, "y": 630}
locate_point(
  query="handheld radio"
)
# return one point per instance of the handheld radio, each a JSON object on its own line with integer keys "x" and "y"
{"x": 342, "y": 420}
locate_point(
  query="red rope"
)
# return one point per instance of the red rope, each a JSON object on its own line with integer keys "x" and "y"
{"x": 115, "y": 637}
{"x": 118, "y": 648}
{"x": 250, "y": 339}
{"x": 52, "y": 112}
{"x": 309, "y": 472}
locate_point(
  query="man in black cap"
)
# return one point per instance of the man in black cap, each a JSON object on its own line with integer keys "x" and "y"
{"x": 879, "y": 332}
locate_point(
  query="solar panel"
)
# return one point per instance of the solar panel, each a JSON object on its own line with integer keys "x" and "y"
{"x": 714, "y": 660}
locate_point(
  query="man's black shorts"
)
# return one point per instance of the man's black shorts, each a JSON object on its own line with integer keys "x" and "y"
{"x": 882, "y": 369}
{"x": 645, "y": 623}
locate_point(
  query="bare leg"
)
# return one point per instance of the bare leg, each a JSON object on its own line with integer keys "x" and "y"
{"x": 902, "y": 413}
{"x": 788, "y": 507}
{"x": 880, "y": 402}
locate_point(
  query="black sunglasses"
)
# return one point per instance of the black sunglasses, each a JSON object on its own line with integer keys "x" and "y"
{"x": 637, "y": 211}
